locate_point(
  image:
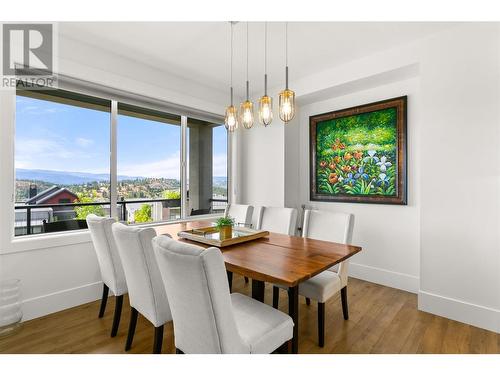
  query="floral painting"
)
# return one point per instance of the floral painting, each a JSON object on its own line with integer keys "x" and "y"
{"x": 359, "y": 154}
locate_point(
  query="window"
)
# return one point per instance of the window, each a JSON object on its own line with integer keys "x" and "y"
{"x": 149, "y": 164}
{"x": 64, "y": 149}
{"x": 61, "y": 157}
{"x": 207, "y": 167}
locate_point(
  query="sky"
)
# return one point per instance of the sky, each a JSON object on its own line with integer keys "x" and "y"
{"x": 60, "y": 137}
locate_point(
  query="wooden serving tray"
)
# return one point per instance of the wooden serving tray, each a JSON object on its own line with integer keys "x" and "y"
{"x": 211, "y": 235}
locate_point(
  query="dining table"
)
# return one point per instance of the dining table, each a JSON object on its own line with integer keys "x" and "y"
{"x": 276, "y": 258}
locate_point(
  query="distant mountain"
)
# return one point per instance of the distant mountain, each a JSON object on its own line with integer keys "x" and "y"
{"x": 76, "y": 178}
{"x": 220, "y": 181}
{"x": 63, "y": 177}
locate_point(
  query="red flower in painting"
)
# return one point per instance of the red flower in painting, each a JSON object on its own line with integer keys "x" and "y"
{"x": 333, "y": 178}
{"x": 358, "y": 155}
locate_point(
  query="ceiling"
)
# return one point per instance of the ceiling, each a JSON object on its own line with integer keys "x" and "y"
{"x": 199, "y": 51}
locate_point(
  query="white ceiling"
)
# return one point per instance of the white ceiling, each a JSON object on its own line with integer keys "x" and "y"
{"x": 199, "y": 51}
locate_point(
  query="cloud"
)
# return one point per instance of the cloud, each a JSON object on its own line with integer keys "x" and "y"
{"x": 84, "y": 142}
{"x": 220, "y": 165}
{"x": 167, "y": 168}
{"x": 38, "y": 110}
{"x": 38, "y": 153}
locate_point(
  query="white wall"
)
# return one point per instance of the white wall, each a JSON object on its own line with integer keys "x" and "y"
{"x": 261, "y": 175}
{"x": 460, "y": 254}
{"x": 388, "y": 234}
{"x": 444, "y": 244}
{"x": 61, "y": 271}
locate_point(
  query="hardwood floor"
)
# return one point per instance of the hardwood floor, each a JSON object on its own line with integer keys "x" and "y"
{"x": 381, "y": 320}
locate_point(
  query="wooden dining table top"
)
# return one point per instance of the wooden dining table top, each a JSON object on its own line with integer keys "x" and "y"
{"x": 277, "y": 258}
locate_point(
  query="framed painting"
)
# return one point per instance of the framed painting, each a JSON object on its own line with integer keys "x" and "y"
{"x": 358, "y": 154}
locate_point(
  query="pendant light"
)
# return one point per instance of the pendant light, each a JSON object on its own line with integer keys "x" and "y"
{"x": 287, "y": 96}
{"x": 231, "y": 118}
{"x": 265, "y": 102}
{"x": 246, "y": 108}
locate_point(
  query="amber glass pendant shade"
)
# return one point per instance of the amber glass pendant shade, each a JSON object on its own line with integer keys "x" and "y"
{"x": 231, "y": 118}
{"x": 265, "y": 110}
{"x": 246, "y": 114}
{"x": 287, "y": 105}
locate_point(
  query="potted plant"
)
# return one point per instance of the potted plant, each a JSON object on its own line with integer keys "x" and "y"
{"x": 225, "y": 227}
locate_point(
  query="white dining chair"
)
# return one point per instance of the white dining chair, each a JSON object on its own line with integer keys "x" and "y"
{"x": 110, "y": 265}
{"x": 145, "y": 287}
{"x": 333, "y": 227}
{"x": 241, "y": 213}
{"x": 279, "y": 220}
{"x": 207, "y": 318}
{"x": 257, "y": 217}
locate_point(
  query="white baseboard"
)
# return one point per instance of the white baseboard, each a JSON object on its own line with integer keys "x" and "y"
{"x": 384, "y": 277}
{"x": 61, "y": 300}
{"x": 465, "y": 312}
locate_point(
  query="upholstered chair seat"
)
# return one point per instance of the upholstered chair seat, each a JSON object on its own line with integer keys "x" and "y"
{"x": 146, "y": 290}
{"x": 326, "y": 226}
{"x": 241, "y": 213}
{"x": 207, "y": 318}
{"x": 279, "y": 220}
{"x": 110, "y": 265}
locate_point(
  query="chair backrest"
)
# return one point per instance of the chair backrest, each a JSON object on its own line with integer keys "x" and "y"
{"x": 241, "y": 213}
{"x": 201, "y": 211}
{"x": 145, "y": 286}
{"x": 279, "y": 220}
{"x": 257, "y": 217}
{"x": 196, "y": 283}
{"x": 62, "y": 225}
{"x": 107, "y": 254}
{"x": 330, "y": 226}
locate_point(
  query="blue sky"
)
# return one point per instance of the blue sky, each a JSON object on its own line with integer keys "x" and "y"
{"x": 60, "y": 137}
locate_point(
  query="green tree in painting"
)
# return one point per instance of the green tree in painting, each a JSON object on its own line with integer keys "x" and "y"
{"x": 356, "y": 155}
{"x": 143, "y": 214}
{"x": 83, "y": 211}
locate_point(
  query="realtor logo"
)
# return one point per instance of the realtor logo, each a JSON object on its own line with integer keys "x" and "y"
{"x": 28, "y": 55}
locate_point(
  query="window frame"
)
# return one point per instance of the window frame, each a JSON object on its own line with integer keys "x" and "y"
{"x": 10, "y": 243}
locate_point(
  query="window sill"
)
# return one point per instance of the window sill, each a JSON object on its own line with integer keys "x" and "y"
{"x": 36, "y": 242}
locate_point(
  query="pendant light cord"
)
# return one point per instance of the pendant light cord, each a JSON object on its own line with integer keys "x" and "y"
{"x": 231, "y": 62}
{"x": 247, "y": 64}
{"x": 265, "y": 48}
{"x": 265, "y": 58}
{"x": 286, "y": 43}
{"x": 286, "y": 55}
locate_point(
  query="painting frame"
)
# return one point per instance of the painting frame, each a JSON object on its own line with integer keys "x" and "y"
{"x": 401, "y": 193}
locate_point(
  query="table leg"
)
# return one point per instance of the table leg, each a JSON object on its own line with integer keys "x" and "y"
{"x": 258, "y": 290}
{"x": 293, "y": 311}
{"x": 230, "y": 280}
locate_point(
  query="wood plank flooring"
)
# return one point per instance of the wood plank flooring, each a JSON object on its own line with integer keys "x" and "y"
{"x": 382, "y": 320}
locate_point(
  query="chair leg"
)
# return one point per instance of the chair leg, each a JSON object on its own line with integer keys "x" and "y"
{"x": 230, "y": 280}
{"x": 158, "y": 340}
{"x": 308, "y": 301}
{"x": 343, "y": 297}
{"x": 178, "y": 351}
{"x": 117, "y": 316}
{"x": 321, "y": 324}
{"x": 131, "y": 328}
{"x": 246, "y": 280}
{"x": 285, "y": 348}
{"x": 289, "y": 347}
{"x": 276, "y": 296}
{"x": 104, "y": 300}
